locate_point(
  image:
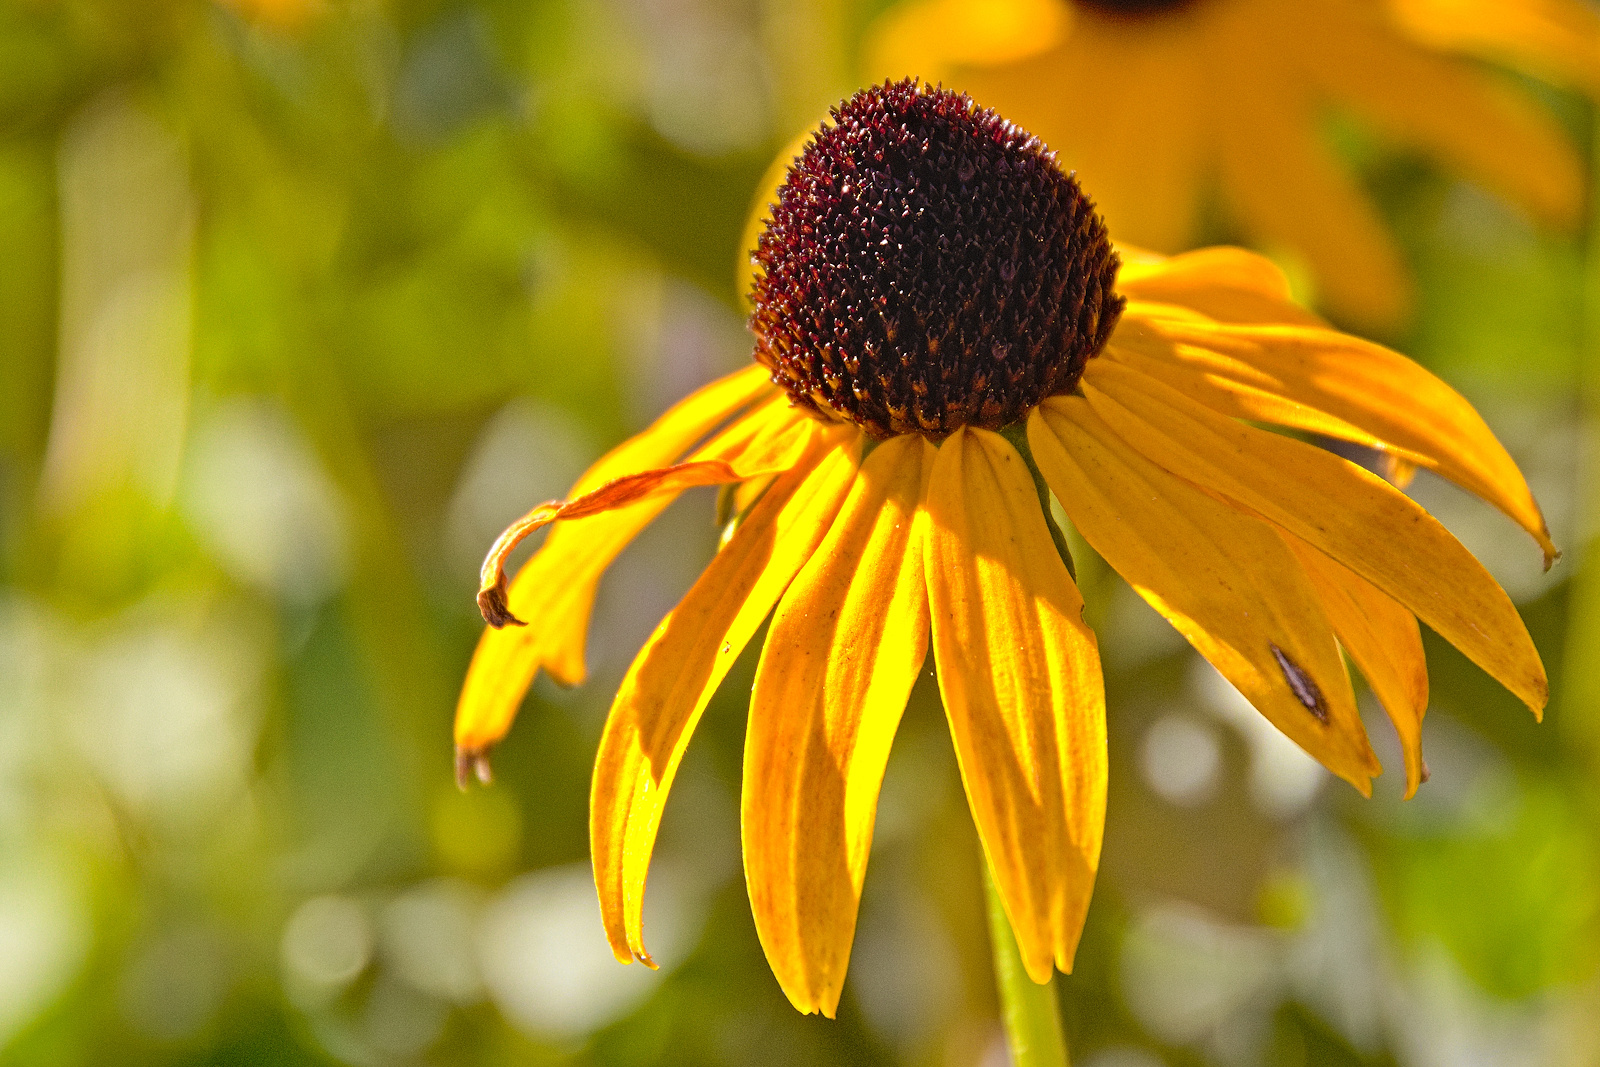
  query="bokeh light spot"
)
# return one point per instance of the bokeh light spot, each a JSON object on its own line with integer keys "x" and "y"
{"x": 1180, "y": 760}
{"x": 327, "y": 943}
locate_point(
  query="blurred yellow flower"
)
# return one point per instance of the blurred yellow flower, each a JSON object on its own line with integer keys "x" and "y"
{"x": 944, "y": 336}
{"x": 1153, "y": 101}
{"x": 279, "y": 14}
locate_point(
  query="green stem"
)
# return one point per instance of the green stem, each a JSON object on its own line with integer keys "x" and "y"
{"x": 1017, "y": 435}
{"x": 1029, "y": 1011}
{"x": 1580, "y": 693}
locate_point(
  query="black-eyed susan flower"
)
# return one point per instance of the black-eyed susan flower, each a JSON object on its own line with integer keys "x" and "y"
{"x": 945, "y": 336}
{"x": 1160, "y": 102}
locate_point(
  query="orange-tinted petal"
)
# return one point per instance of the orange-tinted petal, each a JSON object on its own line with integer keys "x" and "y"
{"x": 681, "y": 427}
{"x": 1295, "y": 375}
{"x": 556, "y": 588}
{"x": 1356, "y": 517}
{"x": 1223, "y": 578}
{"x": 762, "y": 444}
{"x": 1020, "y": 676}
{"x": 1384, "y": 640}
{"x": 679, "y": 668}
{"x": 845, "y": 646}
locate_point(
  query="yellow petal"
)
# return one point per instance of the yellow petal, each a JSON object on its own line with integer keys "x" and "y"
{"x": 1296, "y": 375}
{"x": 930, "y": 38}
{"x": 1502, "y": 138}
{"x": 1223, "y": 578}
{"x": 1223, "y": 384}
{"x": 1020, "y": 676}
{"x": 556, "y": 588}
{"x": 1557, "y": 39}
{"x": 1384, "y": 640}
{"x": 1137, "y": 261}
{"x": 679, "y": 668}
{"x": 1354, "y": 516}
{"x": 846, "y": 644}
{"x": 1286, "y": 184}
{"x": 1225, "y": 284}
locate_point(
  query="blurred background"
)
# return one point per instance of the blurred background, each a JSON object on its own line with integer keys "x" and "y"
{"x": 301, "y": 302}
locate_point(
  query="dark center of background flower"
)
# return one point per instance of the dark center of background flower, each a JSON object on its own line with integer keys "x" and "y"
{"x": 1133, "y": 8}
{"x": 928, "y": 266}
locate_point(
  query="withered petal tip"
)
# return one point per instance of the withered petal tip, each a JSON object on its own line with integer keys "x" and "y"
{"x": 495, "y": 607}
{"x": 472, "y": 763}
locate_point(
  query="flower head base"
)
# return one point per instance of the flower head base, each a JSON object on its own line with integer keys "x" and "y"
{"x": 928, "y": 266}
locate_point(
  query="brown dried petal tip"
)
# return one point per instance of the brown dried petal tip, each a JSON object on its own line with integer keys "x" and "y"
{"x": 472, "y": 763}
{"x": 495, "y": 607}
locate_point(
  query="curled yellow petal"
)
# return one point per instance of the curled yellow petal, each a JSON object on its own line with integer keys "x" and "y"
{"x": 1331, "y": 383}
{"x": 1020, "y": 675}
{"x": 555, "y": 589}
{"x": 1222, "y": 578}
{"x": 1352, "y": 515}
{"x": 679, "y": 668}
{"x": 761, "y": 454}
{"x": 1384, "y": 640}
{"x": 845, "y": 646}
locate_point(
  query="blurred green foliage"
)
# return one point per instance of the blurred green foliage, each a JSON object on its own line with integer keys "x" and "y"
{"x": 299, "y": 303}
